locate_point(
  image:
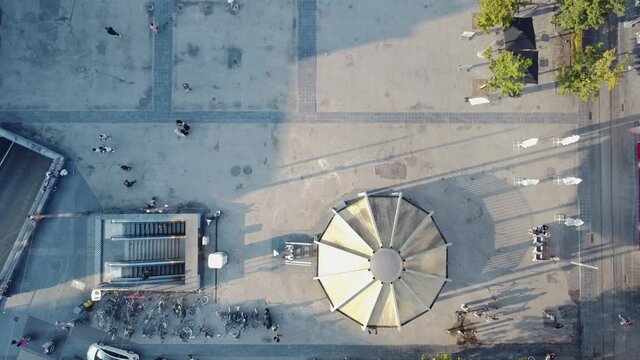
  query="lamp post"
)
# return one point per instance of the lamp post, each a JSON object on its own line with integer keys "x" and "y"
{"x": 480, "y": 53}
{"x": 527, "y": 182}
{"x": 573, "y": 222}
{"x": 569, "y": 180}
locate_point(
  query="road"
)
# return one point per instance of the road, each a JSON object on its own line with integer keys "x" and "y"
{"x": 608, "y": 203}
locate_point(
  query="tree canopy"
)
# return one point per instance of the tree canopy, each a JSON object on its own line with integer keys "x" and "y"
{"x": 508, "y": 72}
{"x": 498, "y": 12}
{"x": 586, "y": 14}
{"x": 591, "y": 67}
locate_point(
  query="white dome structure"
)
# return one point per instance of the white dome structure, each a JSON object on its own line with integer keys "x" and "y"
{"x": 382, "y": 261}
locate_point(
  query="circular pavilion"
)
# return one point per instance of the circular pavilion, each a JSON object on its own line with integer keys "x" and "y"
{"x": 382, "y": 261}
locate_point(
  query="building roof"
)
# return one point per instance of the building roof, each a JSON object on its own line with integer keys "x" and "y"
{"x": 520, "y": 35}
{"x": 382, "y": 261}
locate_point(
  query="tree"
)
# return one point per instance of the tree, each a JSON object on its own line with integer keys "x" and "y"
{"x": 579, "y": 15}
{"x": 508, "y": 72}
{"x": 498, "y": 12}
{"x": 438, "y": 357}
{"x": 590, "y": 68}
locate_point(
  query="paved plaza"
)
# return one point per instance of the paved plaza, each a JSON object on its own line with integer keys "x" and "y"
{"x": 297, "y": 106}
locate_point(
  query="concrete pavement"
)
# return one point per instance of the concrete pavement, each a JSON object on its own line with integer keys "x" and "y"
{"x": 267, "y": 149}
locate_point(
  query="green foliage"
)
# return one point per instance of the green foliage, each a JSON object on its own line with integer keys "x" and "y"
{"x": 579, "y": 15}
{"x": 590, "y": 68}
{"x": 508, "y": 72}
{"x": 442, "y": 357}
{"x": 438, "y": 357}
{"x": 498, "y": 12}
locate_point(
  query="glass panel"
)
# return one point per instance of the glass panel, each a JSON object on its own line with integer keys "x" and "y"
{"x": 384, "y": 212}
{"x": 360, "y": 307}
{"x": 426, "y": 237}
{"x": 359, "y": 218}
{"x": 432, "y": 262}
{"x": 408, "y": 305}
{"x": 427, "y": 288}
{"x": 332, "y": 260}
{"x": 409, "y": 218}
{"x": 340, "y": 287}
{"x": 384, "y": 313}
{"x": 340, "y": 233}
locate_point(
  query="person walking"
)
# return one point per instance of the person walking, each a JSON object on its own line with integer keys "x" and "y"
{"x": 22, "y": 341}
{"x": 181, "y": 124}
{"x": 183, "y": 128}
{"x": 624, "y": 321}
{"x": 187, "y": 88}
{"x": 128, "y": 183}
{"x": 154, "y": 28}
{"x": 104, "y": 137}
{"x": 276, "y": 339}
{"x": 111, "y": 31}
{"x": 109, "y": 149}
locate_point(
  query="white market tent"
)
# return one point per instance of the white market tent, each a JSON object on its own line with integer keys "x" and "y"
{"x": 382, "y": 261}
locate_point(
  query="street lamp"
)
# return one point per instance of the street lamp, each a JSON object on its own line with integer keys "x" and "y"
{"x": 523, "y": 144}
{"x": 566, "y": 141}
{"x": 573, "y": 222}
{"x": 569, "y": 180}
{"x": 480, "y": 53}
{"x": 527, "y": 182}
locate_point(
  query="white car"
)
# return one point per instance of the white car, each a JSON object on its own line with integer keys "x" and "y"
{"x": 100, "y": 351}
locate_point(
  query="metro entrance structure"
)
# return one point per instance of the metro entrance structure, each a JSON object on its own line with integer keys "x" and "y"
{"x": 382, "y": 261}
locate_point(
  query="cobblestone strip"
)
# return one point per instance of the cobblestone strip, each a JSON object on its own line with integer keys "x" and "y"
{"x": 440, "y": 117}
{"x": 163, "y": 56}
{"x": 307, "y": 55}
{"x": 309, "y": 351}
{"x": 282, "y": 117}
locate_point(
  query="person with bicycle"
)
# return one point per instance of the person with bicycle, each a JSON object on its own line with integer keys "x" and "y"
{"x": 48, "y": 348}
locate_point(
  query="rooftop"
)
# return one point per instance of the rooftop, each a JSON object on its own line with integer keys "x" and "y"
{"x": 155, "y": 252}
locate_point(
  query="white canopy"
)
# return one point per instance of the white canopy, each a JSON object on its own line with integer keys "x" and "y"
{"x": 382, "y": 261}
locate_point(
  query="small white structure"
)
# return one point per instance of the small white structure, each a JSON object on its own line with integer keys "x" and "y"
{"x": 570, "y": 180}
{"x": 217, "y": 260}
{"x": 527, "y": 182}
{"x": 573, "y": 222}
{"x": 478, "y": 101}
{"x": 467, "y": 35}
{"x": 523, "y": 144}
{"x": 566, "y": 141}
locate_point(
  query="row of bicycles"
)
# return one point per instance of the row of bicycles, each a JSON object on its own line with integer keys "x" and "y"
{"x": 181, "y": 316}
